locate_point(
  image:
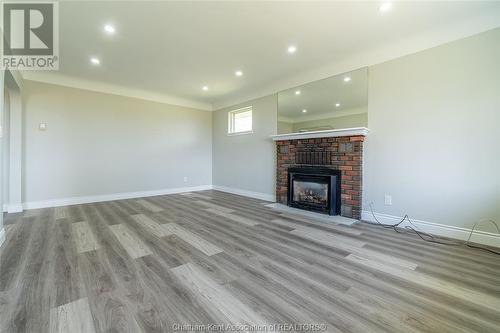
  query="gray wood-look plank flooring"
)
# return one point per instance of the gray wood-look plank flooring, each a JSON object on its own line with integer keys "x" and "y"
{"x": 146, "y": 265}
{"x": 72, "y": 317}
{"x": 134, "y": 246}
{"x": 83, "y": 237}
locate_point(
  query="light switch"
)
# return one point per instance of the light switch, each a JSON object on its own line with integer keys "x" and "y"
{"x": 42, "y": 126}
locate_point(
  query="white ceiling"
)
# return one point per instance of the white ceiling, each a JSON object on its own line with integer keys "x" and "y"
{"x": 169, "y": 50}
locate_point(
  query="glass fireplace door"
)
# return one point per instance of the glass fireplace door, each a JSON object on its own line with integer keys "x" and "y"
{"x": 312, "y": 193}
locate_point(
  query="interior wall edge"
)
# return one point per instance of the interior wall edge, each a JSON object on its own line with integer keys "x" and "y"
{"x": 2, "y": 236}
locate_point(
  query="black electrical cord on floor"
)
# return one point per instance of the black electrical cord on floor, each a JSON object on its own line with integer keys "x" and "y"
{"x": 474, "y": 228}
{"x": 483, "y": 248}
{"x": 430, "y": 238}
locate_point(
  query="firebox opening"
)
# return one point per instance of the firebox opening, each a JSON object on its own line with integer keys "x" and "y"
{"x": 314, "y": 189}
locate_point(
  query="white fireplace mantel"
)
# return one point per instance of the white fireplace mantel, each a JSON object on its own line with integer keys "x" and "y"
{"x": 355, "y": 131}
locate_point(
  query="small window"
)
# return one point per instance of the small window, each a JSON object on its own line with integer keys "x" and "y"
{"x": 240, "y": 121}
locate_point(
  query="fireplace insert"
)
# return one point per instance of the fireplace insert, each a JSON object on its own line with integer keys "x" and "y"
{"x": 314, "y": 189}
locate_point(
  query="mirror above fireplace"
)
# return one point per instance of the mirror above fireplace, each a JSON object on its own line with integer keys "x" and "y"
{"x": 337, "y": 102}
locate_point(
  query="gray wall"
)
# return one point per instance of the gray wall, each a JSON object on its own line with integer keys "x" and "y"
{"x": 434, "y": 143}
{"x": 246, "y": 162}
{"x": 97, "y": 144}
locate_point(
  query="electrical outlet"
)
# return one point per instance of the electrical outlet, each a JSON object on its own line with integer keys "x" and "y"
{"x": 388, "y": 200}
{"x": 185, "y": 179}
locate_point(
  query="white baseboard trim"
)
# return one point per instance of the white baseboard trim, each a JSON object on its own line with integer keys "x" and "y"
{"x": 110, "y": 197}
{"x": 14, "y": 208}
{"x": 480, "y": 237}
{"x": 245, "y": 193}
{"x": 2, "y": 236}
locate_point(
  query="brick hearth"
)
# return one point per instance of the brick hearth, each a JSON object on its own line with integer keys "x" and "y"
{"x": 341, "y": 153}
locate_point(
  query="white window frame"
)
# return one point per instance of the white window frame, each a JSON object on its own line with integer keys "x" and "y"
{"x": 230, "y": 121}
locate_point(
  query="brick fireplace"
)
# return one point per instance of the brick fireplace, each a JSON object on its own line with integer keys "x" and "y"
{"x": 344, "y": 153}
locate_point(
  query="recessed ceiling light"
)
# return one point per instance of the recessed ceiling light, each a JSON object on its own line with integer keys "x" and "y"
{"x": 337, "y": 105}
{"x": 205, "y": 88}
{"x": 109, "y": 29}
{"x": 385, "y": 7}
{"x": 238, "y": 73}
{"x": 347, "y": 79}
{"x": 292, "y": 49}
{"x": 304, "y": 110}
{"x": 95, "y": 61}
{"x": 297, "y": 92}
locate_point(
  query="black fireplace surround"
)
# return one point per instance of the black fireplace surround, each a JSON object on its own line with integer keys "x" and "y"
{"x": 314, "y": 189}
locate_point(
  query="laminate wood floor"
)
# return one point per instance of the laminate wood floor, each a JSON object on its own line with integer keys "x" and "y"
{"x": 212, "y": 258}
